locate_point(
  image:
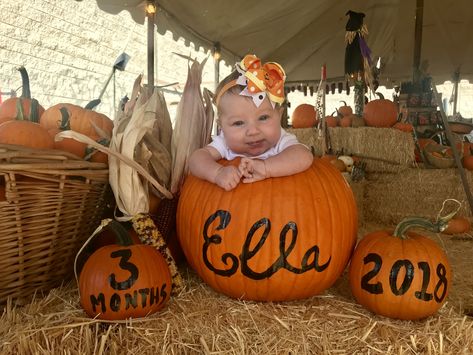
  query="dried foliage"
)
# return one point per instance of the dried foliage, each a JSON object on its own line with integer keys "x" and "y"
{"x": 201, "y": 321}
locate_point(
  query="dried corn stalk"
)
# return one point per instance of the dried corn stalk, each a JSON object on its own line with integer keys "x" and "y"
{"x": 193, "y": 124}
{"x": 140, "y": 145}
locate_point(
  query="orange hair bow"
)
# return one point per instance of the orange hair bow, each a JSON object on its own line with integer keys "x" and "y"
{"x": 259, "y": 80}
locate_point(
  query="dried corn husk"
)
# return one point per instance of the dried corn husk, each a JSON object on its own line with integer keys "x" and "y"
{"x": 193, "y": 124}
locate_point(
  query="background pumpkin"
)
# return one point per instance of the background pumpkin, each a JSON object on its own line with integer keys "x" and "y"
{"x": 400, "y": 274}
{"x": 26, "y": 133}
{"x": 23, "y": 107}
{"x": 345, "y": 110}
{"x": 304, "y": 116}
{"x": 318, "y": 201}
{"x": 380, "y": 113}
{"x": 124, "y": 281}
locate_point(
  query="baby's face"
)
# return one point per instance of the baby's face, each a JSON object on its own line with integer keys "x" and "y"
{"x": 249, "y": 130}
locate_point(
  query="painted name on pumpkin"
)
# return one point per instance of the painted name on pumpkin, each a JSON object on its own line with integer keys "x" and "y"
{"x": 440, "y": 290}
{"x": 287, "y": 242}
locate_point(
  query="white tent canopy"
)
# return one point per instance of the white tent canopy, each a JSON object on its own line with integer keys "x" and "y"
{"x": 302, "y": 35}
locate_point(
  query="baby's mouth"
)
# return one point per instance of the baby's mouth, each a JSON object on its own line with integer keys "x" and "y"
{"x": 255, "y": 144}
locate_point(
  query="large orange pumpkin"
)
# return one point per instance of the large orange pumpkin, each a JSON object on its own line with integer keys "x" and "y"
{"x": 124, "y": 280}
{"x": 278, "y": 239}
{"x": 380, "y": 113}
{"x": 401, "y": 274}
{"x": 26, "y": 133}
{"x": 23, "y": 107}
{"x": 304, "y": 116}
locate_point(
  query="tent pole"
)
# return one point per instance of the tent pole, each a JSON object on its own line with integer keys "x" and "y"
{"x": 418, "y": 40}
{"x": 456, "y": 80}
{"x": 216, "y": 53}
{"x": 150, "y": 12}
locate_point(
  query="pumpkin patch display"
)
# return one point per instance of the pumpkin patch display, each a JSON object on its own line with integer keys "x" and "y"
{"x": 304, "y": 116}
{"x": 124, "y": 280}
{"x": 380, "y": 112}
{"x": 277, "y": 239}
{"x": 401, "y": 274}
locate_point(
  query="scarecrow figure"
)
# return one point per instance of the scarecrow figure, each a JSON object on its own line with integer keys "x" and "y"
{"x": 358, "y": 57}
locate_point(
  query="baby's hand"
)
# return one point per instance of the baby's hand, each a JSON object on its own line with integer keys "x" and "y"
{"x": 252, "y": 170}
{"x": 228, "y": 177}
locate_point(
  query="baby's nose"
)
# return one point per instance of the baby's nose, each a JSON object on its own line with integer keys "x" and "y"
{"x": 252, "y": 129}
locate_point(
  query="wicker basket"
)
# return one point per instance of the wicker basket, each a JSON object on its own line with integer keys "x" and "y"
{"x": 50, "y": 202}
{"x": 436, "y": 161}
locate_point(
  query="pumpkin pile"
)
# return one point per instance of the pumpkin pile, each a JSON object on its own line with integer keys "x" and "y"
{"x": 23, "y": 121}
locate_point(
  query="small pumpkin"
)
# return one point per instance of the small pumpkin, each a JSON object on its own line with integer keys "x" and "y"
{"x": 345, "y": 110}
{"x": 467, "y": 162}
{"x": 380, "y": 112}
{"x": 331, "y": 121}
{"x": 347, "y": 120}
{"x": 401, "y": 274}
{"x": 124, "y": 280}
{"x": 404, "y": 127}
{"x": 277, "y": 239}
{"x": 24, "y": 107}
{"x": 25, "y": 133}
{"x": 304, "y": 116}
{"x": 458, "y": 225}
{"x": 422, "y": 143}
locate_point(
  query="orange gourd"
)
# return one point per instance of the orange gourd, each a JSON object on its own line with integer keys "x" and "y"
{"x": 467, "y": 162}
{"x": 25, "y": 133}
{"x": 401, "y": 274}
{"x": 278, "y": 239}
{"x": 331, "y": 121}
{"x": 458, "y": 225}
{"x": 124, "y": 280}
{"x": 347, "y": 121}
{"x": 404, "y": 127}
{"x": 304, "y": 116}
{"x": 23, "y": 107}
{"x": 345, "y": 110}
{"x": 380, "y": 113}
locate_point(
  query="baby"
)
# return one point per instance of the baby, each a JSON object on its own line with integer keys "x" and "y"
{"x": 249, "y": 108}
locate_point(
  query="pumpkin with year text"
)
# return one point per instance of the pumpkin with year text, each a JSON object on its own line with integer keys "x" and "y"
{"x": 304, "y": 116}
{"x": 401, "y": 274}
{"x": 124, "y": 280}
{"x": 277, "y": 239}
{"x": 380, "y": 112}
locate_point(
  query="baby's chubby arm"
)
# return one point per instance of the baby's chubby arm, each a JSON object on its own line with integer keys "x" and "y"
{"x": 203, "y": 164}
{"x": 292, "y": 160}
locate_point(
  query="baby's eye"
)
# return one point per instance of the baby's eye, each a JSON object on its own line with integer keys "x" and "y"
{"x": 263, "y": 117}
{"x": 237, "y": 123}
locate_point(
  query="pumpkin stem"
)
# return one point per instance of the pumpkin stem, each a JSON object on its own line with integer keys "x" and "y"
{"x": 92, "y": 104}
{"x": 65, "y": 123}
{"x": 121, "y": 234}
{"x": 344, "y": 103}
{"x": 424, "y": 223}
{"x": 20, "y": 115}
{"x": 25, "y": 82}
{"x": 34, "y": 111}
{"x": 381, "y": 96}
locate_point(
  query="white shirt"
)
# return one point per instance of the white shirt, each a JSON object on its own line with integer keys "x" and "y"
{"x": 285, "y": 140}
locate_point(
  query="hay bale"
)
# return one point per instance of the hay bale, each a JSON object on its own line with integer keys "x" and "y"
{"x": 202, "y": 321}
{"x": 311, "y": 137}
{"x": 414, "y": 192}
{"x": 384, "y": 148}
{"x": 385, "y": 144}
